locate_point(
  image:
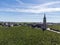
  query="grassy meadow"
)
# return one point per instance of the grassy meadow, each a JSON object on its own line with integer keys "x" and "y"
{"x": 55, "y": 26}
{"x": 24, "y": 35}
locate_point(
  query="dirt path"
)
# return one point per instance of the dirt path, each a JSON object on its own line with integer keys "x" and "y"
{"x": 53, "y": 30}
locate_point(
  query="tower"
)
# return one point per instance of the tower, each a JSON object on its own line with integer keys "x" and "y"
{"x": 44, "y": 22}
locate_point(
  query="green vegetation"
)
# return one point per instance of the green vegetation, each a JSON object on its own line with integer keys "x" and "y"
{"x": 55, "y": 26}
{"x": 27, "y": 36}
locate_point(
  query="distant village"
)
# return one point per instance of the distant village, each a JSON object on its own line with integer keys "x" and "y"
{"x": 42, "y": 25}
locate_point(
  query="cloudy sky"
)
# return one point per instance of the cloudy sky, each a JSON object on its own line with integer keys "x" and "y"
{"x": 29, "y": 10}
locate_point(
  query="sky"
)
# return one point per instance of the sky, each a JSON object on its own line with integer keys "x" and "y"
{"x": 29, "y": 10}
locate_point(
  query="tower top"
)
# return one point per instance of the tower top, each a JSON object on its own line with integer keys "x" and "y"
{"x": 44, "y": 15}
{"x": 44, "y": 19}
{"x": 44, "y": 22}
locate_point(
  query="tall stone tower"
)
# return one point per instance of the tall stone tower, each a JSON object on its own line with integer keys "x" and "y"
{"x": 44, "y": 22}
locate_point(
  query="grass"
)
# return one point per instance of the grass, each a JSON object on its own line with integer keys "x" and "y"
{"x": 24, "y": 35}
{"x": 55, "y": 27}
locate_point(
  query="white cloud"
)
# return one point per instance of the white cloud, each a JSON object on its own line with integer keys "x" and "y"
{"x": 30, "y": 10}
{"x": 45, "y": 5}
{"x": 19, "y": 1}
{"x": 39, "y": 10}
{"x": 34, "y": 9}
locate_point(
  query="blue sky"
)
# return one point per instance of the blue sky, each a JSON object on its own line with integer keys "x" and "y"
{"x": 29, "y": 10}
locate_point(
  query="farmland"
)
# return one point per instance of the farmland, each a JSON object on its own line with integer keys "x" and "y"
{"x": 24, "y": 35}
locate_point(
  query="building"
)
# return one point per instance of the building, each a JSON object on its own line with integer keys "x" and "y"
{"x": 8, "y": 24}
{"x": 44, "y": 27}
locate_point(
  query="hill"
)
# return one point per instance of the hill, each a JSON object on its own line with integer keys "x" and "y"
{"x": 24, "y": 35}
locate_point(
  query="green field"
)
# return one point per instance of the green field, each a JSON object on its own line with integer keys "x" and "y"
{"x": 24, "y": 35}
{"x": 55, "y": 27}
